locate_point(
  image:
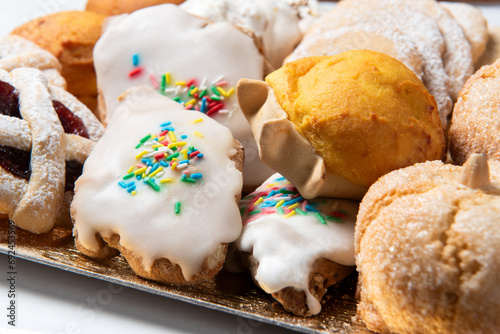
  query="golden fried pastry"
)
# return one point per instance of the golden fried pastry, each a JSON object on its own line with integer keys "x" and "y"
{"x": 427, "y": 252}
{"x": 116, "y": 7}
{"x": 333, "y": 125}
{"x": 476, "y": 115}
{"x": 162, "y": 186}
{"x": 70, "y": 36}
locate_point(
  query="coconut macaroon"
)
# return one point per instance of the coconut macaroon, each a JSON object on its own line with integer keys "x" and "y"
{"x": 161, "y": 54}
{"x": 162, "y": 186}
{"x": 427, "y": 253}
{"x": 351, "y": 118}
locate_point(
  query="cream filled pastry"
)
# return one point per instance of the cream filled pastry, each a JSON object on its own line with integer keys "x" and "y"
{"x": 186, "y": 58}
{"x": 161, "y": 186}
{"x": 296, "y": 248}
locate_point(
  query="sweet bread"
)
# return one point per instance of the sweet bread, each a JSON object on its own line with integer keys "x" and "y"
{"x": 296, "y": 248}
{"x": 45, "y": 137}
{"x": 16, "y": 51}
{"x": 276, "y": 22}
{"x": 474, "y": 125}
{"x": 426, "y": 244}
{"x": 351, "y": 118}
{"x": 70, "y": 36}
{"x": 116, "y": 7}
{"x": 162, "y": 186}
{"x": 224, "y": 55}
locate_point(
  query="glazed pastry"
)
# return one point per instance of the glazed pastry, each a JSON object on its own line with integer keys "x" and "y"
{"x": 45, "y": 137}
{"x": 70, "y": 36}
{"x": 116, "y": 7}
{"x": 427, "y": 253}
{"x": 474, "y": 126}
{"x": 16, "y": 51}
{"x": 351, "y": 118}
{"x": 224, "y": 55}
{"x": 296, "y": 248}
{"x": 275, "y": 22}
{"x": 162, "y": 186}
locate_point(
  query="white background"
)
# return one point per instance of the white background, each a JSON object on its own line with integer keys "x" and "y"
{"x": 53, "y": 301}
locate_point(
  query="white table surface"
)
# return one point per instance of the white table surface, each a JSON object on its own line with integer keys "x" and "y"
{"x": 54, "y": 301}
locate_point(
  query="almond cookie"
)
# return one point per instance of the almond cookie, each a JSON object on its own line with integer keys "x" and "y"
{"x": 204, "y": 80}
{"x": 162, "y": 186}
{"x": 426, "y": 244}
{"x": 45, "y": 136}
{"x": 296, "y": 248}
{"x": 476, "y": 116}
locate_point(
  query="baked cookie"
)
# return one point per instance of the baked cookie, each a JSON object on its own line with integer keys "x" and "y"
{"x": 204, "y": 80}
{"x": 16, "y": 51}
{"x": 45, "y": 136}
{"x": 427, "y": 253}
{"x": 351, "y": 118}
{"x": 296, "y": 248}
{"x": 161, "y": 186}
{"x": 476, "y": 117}
{"x": 275, "y": 22}
{"x": 116, "y": 7}
{"x": 70, "y": 36}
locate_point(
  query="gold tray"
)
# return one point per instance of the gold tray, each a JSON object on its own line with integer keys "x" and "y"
{"x": 234, "y": 293}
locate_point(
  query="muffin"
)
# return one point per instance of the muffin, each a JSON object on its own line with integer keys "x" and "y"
{"x": 427, "y": 253}
{"x": 351, "y": 118}
{"x": 70, "y": 36}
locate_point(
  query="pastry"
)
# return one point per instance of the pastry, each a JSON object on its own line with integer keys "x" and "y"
{"x": 492, "y": 52}
{"x": 116, "y": 7}
{"x": 426, "y": 244}
{"x": 45, "y": 137}
{"x": 70, "y": 36}
{"x": 476, "y": 115}
{"x": 274, "y": 22}
{"x": 351, "y": 118}
{"x": 473, "y": 23}
{"x": 296, "y": 248}
{"x": 16, "y": 51}
{"x": 161, "y": 186}
{"x": 438, "y": 39}
{"x": 224, "y": 55}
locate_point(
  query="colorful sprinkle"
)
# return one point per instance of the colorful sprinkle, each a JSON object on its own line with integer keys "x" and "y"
{"x": 177, "y": 208}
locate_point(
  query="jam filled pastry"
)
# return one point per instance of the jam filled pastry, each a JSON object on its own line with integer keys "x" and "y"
{"x": 16, "y": 51}
{"x": 296, "y": 248}
{"x": 162, "y": 186}
{"x": 45, "y": 136}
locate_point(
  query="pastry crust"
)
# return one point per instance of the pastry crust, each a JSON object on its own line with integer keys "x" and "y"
{"x": 476, "y": 116}
{"x": 426, "y": 249}
{"x": 70, "y": 36}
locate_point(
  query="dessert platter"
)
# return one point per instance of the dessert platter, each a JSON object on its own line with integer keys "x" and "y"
{"x": 322, "y": 167}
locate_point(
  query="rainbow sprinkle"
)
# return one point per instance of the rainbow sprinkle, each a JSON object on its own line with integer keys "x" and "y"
{"x": 282, "y": 198}
{"x": 157, "y": 154}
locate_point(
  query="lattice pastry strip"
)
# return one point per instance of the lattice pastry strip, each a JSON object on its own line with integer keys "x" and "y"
{"x": 36, "y": 205}
{"x": 16, "y": 51}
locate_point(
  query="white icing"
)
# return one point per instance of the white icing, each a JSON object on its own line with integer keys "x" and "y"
{"x": 146, "y": 222}
{"x": 286, "y": 248}
{"x": 272, "y": 20}
{"x": 167, "y": 39}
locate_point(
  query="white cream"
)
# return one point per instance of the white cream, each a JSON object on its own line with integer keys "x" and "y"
{"x": 286, "y": 248}
{"x": 167, "y": 39}
{"x": 146, "y": 222}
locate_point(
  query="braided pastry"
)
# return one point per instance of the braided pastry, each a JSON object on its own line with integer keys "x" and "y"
{"x": 45, "y": 136}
